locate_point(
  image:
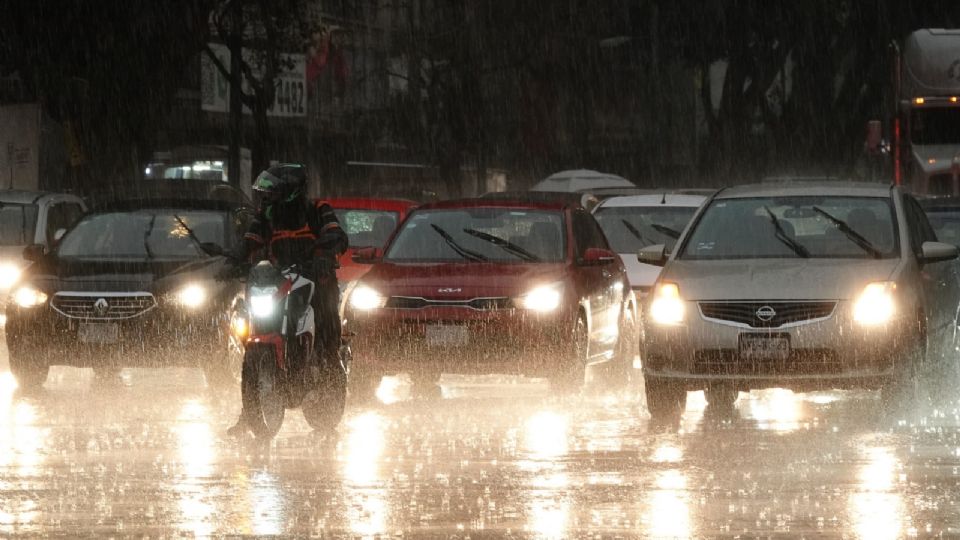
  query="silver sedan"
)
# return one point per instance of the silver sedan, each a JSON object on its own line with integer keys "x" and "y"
{"x": 807, "y": 286}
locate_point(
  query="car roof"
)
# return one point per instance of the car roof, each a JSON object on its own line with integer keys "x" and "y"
{"x": 661, "y": 199}
{"x": 370, "y": 203}
{"x": 791, "y": 189}
{"x": 133, "y": 205}
{"x": 18, "y": 196}
{"x": 496, "y": 203}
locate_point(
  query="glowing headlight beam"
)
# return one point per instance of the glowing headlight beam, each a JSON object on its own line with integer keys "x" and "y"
{"x": 667, "y": 306}
{"x": 875, "y": 305}
{"x": 262, "y": 305}
{"x": 364, "y": 298}
{"x": 543, "y": 299}
{"x": 192, "y": 296}
{"x": 29, "y": 297}
{"x": 9, "y": 275}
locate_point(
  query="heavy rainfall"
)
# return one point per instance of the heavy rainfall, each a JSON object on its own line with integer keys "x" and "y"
{"x": 423, "y": 269}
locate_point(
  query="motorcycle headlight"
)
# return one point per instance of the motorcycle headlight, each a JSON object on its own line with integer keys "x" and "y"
{"x": 240, "y": 326}
{"x": 876, "y": 304}
{"x": 9, "y": 275}
{"x": 667, "y": 306}
{"x": 364, "y": 298}
{"x": 262, "y": 305}
{"x": 544, "y": 298}
{"x": 192, "y": 296}
{"x": 29, "y": 297}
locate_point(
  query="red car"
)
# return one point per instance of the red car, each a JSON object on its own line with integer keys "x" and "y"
{"x": 490, "y": 286}
{"x": 368, "y": 223}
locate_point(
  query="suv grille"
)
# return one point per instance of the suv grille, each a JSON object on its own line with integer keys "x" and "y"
{"x": 89, "y": 306}
{"x": 480, "y": 304}
{"x": 784, "y": 312}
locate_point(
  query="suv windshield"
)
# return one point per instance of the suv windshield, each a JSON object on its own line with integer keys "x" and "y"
{"x": 18, "y": 224}
{"x": 146, "y": 234}
{"x": 629, "y": 228}
{"x": 480, "y": 234}
{"x": 367, "y": 228}
{"x": 790, "y": 227}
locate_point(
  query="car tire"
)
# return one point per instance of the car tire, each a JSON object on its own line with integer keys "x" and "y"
{"x": 571, "y": 374}
{"x": 903, "y": 388}
{"x": 30, "y": 375}
{"x": 666, "y": 399}
{"x": 621, "y": 371}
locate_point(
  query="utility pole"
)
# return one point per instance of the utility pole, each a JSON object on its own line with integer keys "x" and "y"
{"x": 235, "y": 44}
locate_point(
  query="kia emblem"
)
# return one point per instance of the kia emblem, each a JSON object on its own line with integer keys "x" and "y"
{"x": 766, "y": 313}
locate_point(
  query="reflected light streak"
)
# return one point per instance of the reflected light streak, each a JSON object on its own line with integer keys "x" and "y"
{"x": 22, "y": 446}
{"x": 389, "y": 390}
{"x": 266, "y": 504}
{"x": 548, "y": 518}
{"x": 195, "y": 444}
{"x": 668, "y": 512}
{"x": 876, "y": 508}
{"x": 367, "y": 510}
{"x": 667, "y": 453}
{"x": 364, "y": 446}
{"x": 776, "y": 409}
{"x": 546, "y": 434}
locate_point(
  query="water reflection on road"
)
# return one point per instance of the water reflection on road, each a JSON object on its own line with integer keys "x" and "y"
{"x": 147, "y": 455}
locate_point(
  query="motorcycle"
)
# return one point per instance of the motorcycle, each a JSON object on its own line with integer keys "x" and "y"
{"x": 274, "y": 324}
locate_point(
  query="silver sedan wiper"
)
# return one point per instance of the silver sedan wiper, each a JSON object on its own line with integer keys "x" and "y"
{"x": 853, "y": 235}
{"x": 785, "y": 238}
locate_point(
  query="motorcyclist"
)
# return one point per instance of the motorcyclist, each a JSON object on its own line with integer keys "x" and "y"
{"x": 289, "y": 228}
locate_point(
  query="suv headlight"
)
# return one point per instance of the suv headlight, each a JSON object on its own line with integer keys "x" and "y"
{"x": 667, "y": 306}
{"x": 365, "y": 298}
{"x": 192, "y": 296}
{"x": 29, "y": 297}
{"x": 544, "y": 298}
{"x": 876, "y": 304}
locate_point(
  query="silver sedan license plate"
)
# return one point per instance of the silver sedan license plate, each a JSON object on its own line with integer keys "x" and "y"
{"x": 99, "y": 333}
{"x": 764, "y": 347}
{"x": 447, "y": 335}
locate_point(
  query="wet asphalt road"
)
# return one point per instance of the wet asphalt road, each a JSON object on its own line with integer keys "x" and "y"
{"x": 495, "y": 457}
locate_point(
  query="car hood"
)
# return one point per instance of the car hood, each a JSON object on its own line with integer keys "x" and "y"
{"x": 460, "y": 280}
{"x": 94, "y": 275}
{"x": 776, "y": 279}
{"x": 639, "y": 274}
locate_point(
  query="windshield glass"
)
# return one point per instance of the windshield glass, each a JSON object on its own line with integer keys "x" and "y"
{"x": 367, "y": 228}
{"x": 145, "y": 234}
{"x": 18, "y": 223}
{"x": 744, "y": 229}
{"x": 490, "y": 234}
{"x": 935, "y": 125}
{"x": 946, "y": 224}
{"x": 629, "y": 228}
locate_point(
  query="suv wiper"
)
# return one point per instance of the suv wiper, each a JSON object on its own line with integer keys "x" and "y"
{"x": 506, "y": 245}
{"x": 783, "y": 237}
{"x": 853, "y": 235}
{"x": 663, "y": 229}
{"x": 191, "y": 235}
{"x": 146, "y": 236}
{"x": 462, "y": 251}
{"x": 636, "y": 232}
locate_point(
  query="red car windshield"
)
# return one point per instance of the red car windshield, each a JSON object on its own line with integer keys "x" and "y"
{"x": 480, "y": 234}
{"x": 365, "y": 227}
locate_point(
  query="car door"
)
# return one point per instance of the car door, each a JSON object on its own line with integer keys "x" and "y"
{"x": 598, "y": 280}
{"x": 940, "y": 287}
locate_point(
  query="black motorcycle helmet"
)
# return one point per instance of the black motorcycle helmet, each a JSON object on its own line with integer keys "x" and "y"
{"x": 278, "y": 184}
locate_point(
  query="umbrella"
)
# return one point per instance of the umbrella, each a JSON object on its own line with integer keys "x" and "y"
{"x": 581, "y": 180}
